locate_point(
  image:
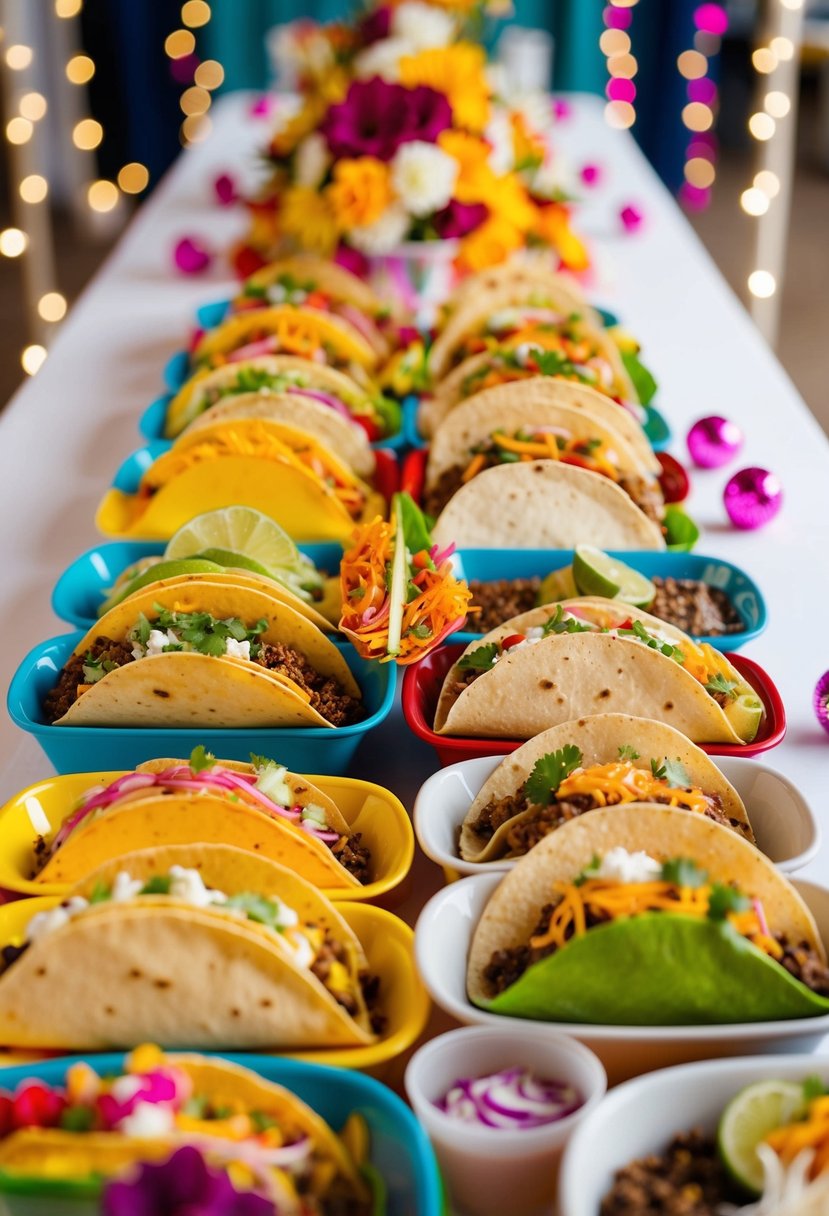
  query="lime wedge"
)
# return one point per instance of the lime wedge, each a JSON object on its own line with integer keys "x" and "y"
{"x": 598, "y": 574}
{"x": 745, "y": 715}
{"x": 558, "y": 585}
{"x": 233, "y": 561}
{"x": 156, "y": 572}
{"x": 238, "y": 530}
{"x": 749, "y": 1117}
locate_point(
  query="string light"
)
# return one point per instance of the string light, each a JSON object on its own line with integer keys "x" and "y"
{"x": 622, "y": 66}
{"x": 768, "y": 182}
{"x": 133, "y": 178}
{"x": 52, "y": 306}
{"x": 18, "y": 57}
{"x": 209, "y": 74}
{"x": 80, "y": 69}
{"x": 13, "y": 242}
{"x": 102, "y": 195}
{"x": 762, "y": 284}
{"x": 33, "y": 358}
{"x": 783, "y": 48}
{"x": 33, "y": 188}
{"x": 195, "y": 13}
{"x": 33, "y": 106}
{"x": 197, "y": 78}
{"x": 777, "y": 104}
{"x": 68, "y": 8}
{"x": 19, "y": 130}
{"x": 87, "y": 134}
{"x": 764, "y": 60}
{"x": 754, "y": 201}
{"x": 700, "y": 111}
{"x": 762, "y": 126}
{"x": 180, "y": 43}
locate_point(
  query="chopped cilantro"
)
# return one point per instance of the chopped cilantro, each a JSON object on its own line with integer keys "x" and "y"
{"x": 813, "y": 1088}
{"x": 588, "y": 871}
{"x": 198, "y": 631}
{"x": 159, "y": 884}
{"x": 195, "y": 1107}
{"x": 719, "y": 684}
{"x": 675, "y": 773}
{"x": 549, "y": 771}
{"x": 258, "y": 908}
{"x": 640, "y": 633}
{"x": 643, "y": 381}
{"x": 100, "y": 893}
{"x": 357, "y": 593}
{"x": 723, "y": 900}
{"x": 482, "y": 658}
{"x": 95, "y": 669}
{"x": 683, "y": 872}
{"x": 628, "y": 752}
{"x": 77, "y": 1118}
{"x": 201, "y": 759}
{"x": 558, "y": 623}
{"x": 421, "y": 631}
{"x": 262, "y": 1121}
{"x": 140, "y": 631}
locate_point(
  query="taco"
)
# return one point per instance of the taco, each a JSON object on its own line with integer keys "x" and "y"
{"x": 283, "y": 471}
{"x": 313, "y": 282}
{"x": 531, "y": 272}
{"x": 535, "y": 323}
{"x": 400, "y": 597}
{"x": 259, "y": 807}
{"x": 204, "y": 653}
{"x": 544, "y": 504}
{"x": 93, "y": 1128}
{"x": 201, "y": 945}
{"x": 589, "y": 655}
{"x": 644, "y": 915}
{"x": 284, "y": 329}
{"x": 302, "y": 380}
{"x": 581, "y": 766}
{"x": 481, "y": 434}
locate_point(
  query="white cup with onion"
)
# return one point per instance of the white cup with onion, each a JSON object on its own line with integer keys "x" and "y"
{"x": 499, "y": 1106}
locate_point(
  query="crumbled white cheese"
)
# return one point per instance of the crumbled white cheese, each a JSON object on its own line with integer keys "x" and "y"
{"x": 147, "y": 1120}
{"x": 43, "y": 923}
{"x": 622, "y": 866}
{"x": 237, "y": 650}
{"x": 125, "y": 887}
{"x": 158, "y": 639}
{"x": 188, "y": 886}
{"x": 125, "y": 1088}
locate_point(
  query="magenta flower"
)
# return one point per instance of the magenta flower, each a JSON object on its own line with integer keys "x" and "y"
{"x": 352, "y": 260}
{"x": 459, "y": 219}
{"x": 182, "y": 1186}
{"x": 377, "y": 117}
{"x": 374, "y": 26}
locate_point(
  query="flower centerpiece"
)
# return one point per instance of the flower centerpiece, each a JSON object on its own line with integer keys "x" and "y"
{"x": 401, "y": 141}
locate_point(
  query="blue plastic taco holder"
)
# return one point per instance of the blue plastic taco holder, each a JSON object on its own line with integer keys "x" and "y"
{"x": 399, "y": 1151}
{"x": 491, "y": 564}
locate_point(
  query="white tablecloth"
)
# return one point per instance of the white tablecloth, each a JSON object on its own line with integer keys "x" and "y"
{"x": 65, "y": 432}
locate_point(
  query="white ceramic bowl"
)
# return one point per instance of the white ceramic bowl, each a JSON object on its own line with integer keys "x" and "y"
{"x": 783, "y": 821}
{"x": 442, "y": 939}
{"x": 488, "y": 1171}
{"x": 642, "y": 1116}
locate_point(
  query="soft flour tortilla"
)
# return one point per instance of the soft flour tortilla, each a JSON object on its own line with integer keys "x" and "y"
{"x": 543, "y": 504}
{"x": 475, "y": 420}
{"x": 187, "y": 689}
{"x": 298, "y": 330}
{"x": 599, "y": 739}
{"x": 328, "y": 276}
{"x": 192, "y": 398}
{"x": 536, "y": 391}
{"x": 169, "y": 973}
{"x": 529, "y": 270}
{"x": 472, "y": 317}
{"x": 663, "y": 832}
{"x": 148, "y": 816}
{"x": 348, "y": 439}
{"x": 572, "y": 675}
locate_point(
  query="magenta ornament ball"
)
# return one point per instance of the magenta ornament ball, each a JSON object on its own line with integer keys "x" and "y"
{"x": 820, "y": 700}
{"x": 191, "y": 255}
{"x": 713, "y": 441}
{"x": 752, "y": 498}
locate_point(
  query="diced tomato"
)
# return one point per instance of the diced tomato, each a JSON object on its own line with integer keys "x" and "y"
{"x": 512, "y": 640}
{"x": 578, "y": 461}
{"x": 316, "y": 299}
{"x": 369, "y": 426}
{"x": 421, "y": 560}
{"x": 628, "y": 624}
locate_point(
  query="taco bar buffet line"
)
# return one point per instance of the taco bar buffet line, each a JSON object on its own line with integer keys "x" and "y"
{"x": 411, "y": 722}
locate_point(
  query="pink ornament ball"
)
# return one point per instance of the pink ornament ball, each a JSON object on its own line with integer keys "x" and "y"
{"x": 753, "y": 497}
{"x": 713, "y": 441}
{"x": 191, "y": 256}
{"x": 820, "y": 701}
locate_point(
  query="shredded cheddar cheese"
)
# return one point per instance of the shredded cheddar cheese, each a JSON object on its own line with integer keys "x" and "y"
{"x": 811, "y": 1133}
{"x": 621, "y": 781}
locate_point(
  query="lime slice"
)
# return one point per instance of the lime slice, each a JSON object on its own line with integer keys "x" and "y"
{"x": 598, "y": 574}
{"x": 233, "y": 561}
{"x": 238, "y": 530}
{"x": 749, "y": 1117}
{"x": 156, "y": 572}
{"x": 745, "y": 715}
{"x": 558, "y": 585}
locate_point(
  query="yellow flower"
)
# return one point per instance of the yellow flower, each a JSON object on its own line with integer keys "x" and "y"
{"x": 476, "y": 182}
{"x": 554, "y": 229}
{"x": 306, "y": 217}
{"x": 360, "y": 192}
{"x": 493, "y": 242}
{"x": 306, "y": 120}
{"x": 457, "y": 72}
{"x": 510, "y": 201}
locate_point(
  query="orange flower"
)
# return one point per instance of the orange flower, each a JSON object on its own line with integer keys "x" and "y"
{"x": 457, "y": 72}
{"x": 493, "y": 242}
{"x": 360, "y": 192}
{"x": 511, "y": 203}
{"x": 306, "y": 218}
{"x": 554, "y": 229}
{"x": 476, "y": 182}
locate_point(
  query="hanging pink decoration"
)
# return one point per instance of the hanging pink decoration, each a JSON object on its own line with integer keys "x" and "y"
{"x": 225, "y": 190}
{"x": 711, "y": 19}
{"x": 713, "y": 441}
{"x": 191, "y": 255}
{"x": 753, "y": 497}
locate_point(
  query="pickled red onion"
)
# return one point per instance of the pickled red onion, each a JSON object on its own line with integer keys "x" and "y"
{"x": 513, "y": 1100}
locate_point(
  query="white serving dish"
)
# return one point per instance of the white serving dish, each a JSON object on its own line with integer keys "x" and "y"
{"x": 784, "y": 823}
{"x": 442, "y": 939}
{"x": 491, "y": 1171}
{"x": 643, "y": 1115}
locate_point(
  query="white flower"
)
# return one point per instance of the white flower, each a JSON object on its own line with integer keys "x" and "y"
{"x": 423, "y": 176}
{"x": 498, "y": 134}
{"x": 301, "y": 48}
{"x": 423, "y": 25}
{"x": 311, "y": 161}
{"x": 385, "y": 234}
{"x": 537, "y": 111}
{"x": 383, "y": 59}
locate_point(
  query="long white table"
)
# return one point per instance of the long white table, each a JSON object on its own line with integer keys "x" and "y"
{"x": 66, "y": 430}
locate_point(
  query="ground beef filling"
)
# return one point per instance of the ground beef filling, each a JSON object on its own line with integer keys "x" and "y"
{"x": 327, "y": 694}
{"x": 353, "y": 856}
{"x": 686, "y": 603}
{"x": 804, "y": 964}
{"x": 524, "y": 835}
{"x": 437, "y": 496}
{"x": 333, "y": 951}
{"x": 646, "y": 494}
{"x": 688, "y": 1179}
